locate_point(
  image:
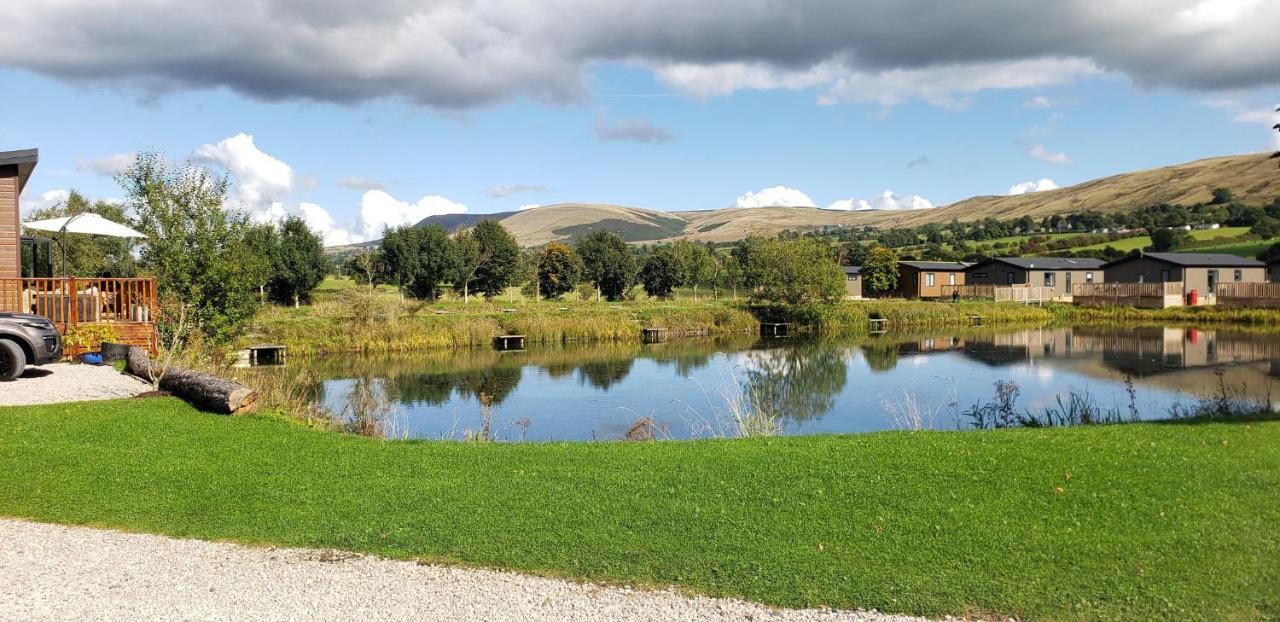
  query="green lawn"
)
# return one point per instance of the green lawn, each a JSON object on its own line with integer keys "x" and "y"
{"x": 1151, "y": 521}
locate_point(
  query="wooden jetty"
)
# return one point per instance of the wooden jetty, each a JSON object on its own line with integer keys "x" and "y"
{"x": 653, "y": 335}
{"x": 878, "y": 325}
{"x": 509, "y": 342}
{"x": 267, "y": 354}
{"x": 775, "y": 329}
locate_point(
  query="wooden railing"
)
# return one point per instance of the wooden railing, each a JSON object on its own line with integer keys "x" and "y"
{"x": 1024, "y": 294}
{"x": 1260, "y": 295}
{"x": 1158, "y": 295}
{"x": 969, "y": 291}
{"x": 71, "y": 301}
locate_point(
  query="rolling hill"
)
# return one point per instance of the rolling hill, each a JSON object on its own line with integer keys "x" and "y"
{"x": 1254, "y": 178}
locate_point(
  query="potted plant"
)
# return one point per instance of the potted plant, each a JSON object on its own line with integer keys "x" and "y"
{"x": 89, "y": 340}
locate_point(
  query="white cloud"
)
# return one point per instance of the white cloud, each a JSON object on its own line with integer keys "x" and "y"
{"x": 379, "y": 210}
{"x": 47, "y": 199}
{"x": 499, "y": 192}
{"x": 528, "y": 206}
{"x": 1039, "y": 101}
{"x": 360, "y": 183}
{"x": 320, "y": 221}
{"x": 1039, "y": 152}
{"x": 777, "y": 196}
{"x": 107, "y": 165}
{"x": 887, "y": 200}
{"x": 1025, "y": 187}
{"x": 260, "y": 179}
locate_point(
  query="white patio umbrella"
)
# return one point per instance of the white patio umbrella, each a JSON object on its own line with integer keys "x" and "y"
{"x": 87, "y": 223}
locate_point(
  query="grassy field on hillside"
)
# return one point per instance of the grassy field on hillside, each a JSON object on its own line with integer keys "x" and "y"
{"x": 1143, "y": 241}
{"x": 1139, "y": 521}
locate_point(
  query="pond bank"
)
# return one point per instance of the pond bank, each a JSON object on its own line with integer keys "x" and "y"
{"x": 1067, "y": 524}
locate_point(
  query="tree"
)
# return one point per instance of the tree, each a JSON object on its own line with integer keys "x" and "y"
{"x": 298, "y": 263}
{"x": 1163, "y": 240}
{"x": 469, "y": 257}
{"x": 792, "y": 271}
{"x": 498, "y": 256}
{"x": 880, "y": 270}
{"x": 608, "y": 262}
{"x": 198, "y": 250}
{"x": 91, "y": 255}
{"x": 1222, "y": 196}
{"x": 694, "y": 263}
{"x": 367, "y": 267}
{"x": 661, "y": 273}
{"x": 417, "y": 259}
{"x": 559, "y": 269}
{"x": 262, "y": 240}
{"x": 1266, "y": 228}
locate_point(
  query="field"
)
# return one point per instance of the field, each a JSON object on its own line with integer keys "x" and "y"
{"x": 1140, "y": 521}
{"x": 1142, "y": 241}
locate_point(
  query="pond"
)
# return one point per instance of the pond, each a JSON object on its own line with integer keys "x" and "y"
{"x": 698, "y": 388}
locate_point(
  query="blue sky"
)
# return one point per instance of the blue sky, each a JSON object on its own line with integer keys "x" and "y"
{"x": 659, "y": 131}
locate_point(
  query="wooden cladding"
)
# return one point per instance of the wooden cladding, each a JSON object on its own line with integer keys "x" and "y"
{"x": 10, "y": 252}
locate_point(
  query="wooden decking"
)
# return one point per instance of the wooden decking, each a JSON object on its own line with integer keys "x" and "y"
{"x": 1140, "y": 295}
{"x": 127, "y": 306}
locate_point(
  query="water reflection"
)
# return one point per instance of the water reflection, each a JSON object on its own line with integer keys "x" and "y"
{"x": 598, "y": 391}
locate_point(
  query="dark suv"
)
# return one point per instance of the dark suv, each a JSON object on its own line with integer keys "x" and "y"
{"x": 26, "y": 340}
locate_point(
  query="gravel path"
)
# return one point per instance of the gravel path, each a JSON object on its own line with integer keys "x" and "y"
{"x": 64, "y": 382}
{"x": 53, "y": 572}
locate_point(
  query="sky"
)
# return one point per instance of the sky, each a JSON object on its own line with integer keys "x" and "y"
{"x": 359, "y": 116}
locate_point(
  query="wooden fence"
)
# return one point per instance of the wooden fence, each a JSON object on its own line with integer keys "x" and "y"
{"x": 1146, "y": 295}
{"x": 969, "y": 291}
{"x": 1251, "y": 295}
{"x": 1025, "y": 294}
{"x": 128, "y": 306}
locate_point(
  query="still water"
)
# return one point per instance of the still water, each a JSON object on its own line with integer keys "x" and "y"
{"x": 690, "y": 387}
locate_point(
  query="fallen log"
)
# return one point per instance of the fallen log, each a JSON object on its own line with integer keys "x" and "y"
{"x": 204, "y": 391}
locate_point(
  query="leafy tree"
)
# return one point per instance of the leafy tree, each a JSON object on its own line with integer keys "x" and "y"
{"x": 559, "y": 269}
{"x": 262, "y": 240}
{"x": 661, "y": 273}
{"x": 880, "y": 270}
{"x": 367, "y": 267}
{"x": 696, "y": 266}
{"x": 1222, "y": 196}
{"x": 501, "y": 258}
{"x": 198, "y": 250}
{"x": 469, "y": 257}
{"x": 1266, "y": 228}
{"x": 417, "y": 259}
{"x": 1164, "y": 240}
{"x": 608, "y": 262}
{"x": 298, "y": 263}
{"x": 91, "y": 255}
{"x": 792, "y": 271}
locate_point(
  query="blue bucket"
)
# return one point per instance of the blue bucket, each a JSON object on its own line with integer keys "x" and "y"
{"x": 91, "y": 358}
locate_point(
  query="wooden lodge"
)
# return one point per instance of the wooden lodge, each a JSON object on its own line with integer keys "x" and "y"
{"x": 126, "y": 308}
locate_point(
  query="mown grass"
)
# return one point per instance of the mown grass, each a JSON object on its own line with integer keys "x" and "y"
{"x": 1142, "y": 521}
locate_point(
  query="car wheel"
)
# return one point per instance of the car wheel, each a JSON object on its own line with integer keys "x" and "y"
{"x": 12, "y": 360}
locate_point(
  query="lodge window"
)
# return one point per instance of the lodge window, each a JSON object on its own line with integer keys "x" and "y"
{"x": 1088, "y": 277}
{"x": 979, "y": 275}
{"x": 1008, "y": 277}
{"x": 1239, "y": 275}
{"x": 1165, "y": 276}
{"x": 928, "y": 279}
{"x": 951, "y": 278}
{"x": 1049, "y": 279}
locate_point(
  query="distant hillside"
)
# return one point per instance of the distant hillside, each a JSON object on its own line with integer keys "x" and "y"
{"x": 1253, "y": 178}
{"x": 453, "y": 222}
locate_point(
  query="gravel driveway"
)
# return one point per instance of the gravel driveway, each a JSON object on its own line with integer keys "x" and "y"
{"x": 53, "y": 572}
{"x": 64, "y": 382}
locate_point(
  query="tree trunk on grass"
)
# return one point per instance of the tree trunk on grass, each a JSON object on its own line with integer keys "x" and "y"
{"x": 204, "y": 391}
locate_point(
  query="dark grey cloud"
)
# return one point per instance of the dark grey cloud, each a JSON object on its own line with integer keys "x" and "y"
{"x": 499, "y": 192}
{"x": 459, "y": 54}
{"x": 923, "y": 160}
